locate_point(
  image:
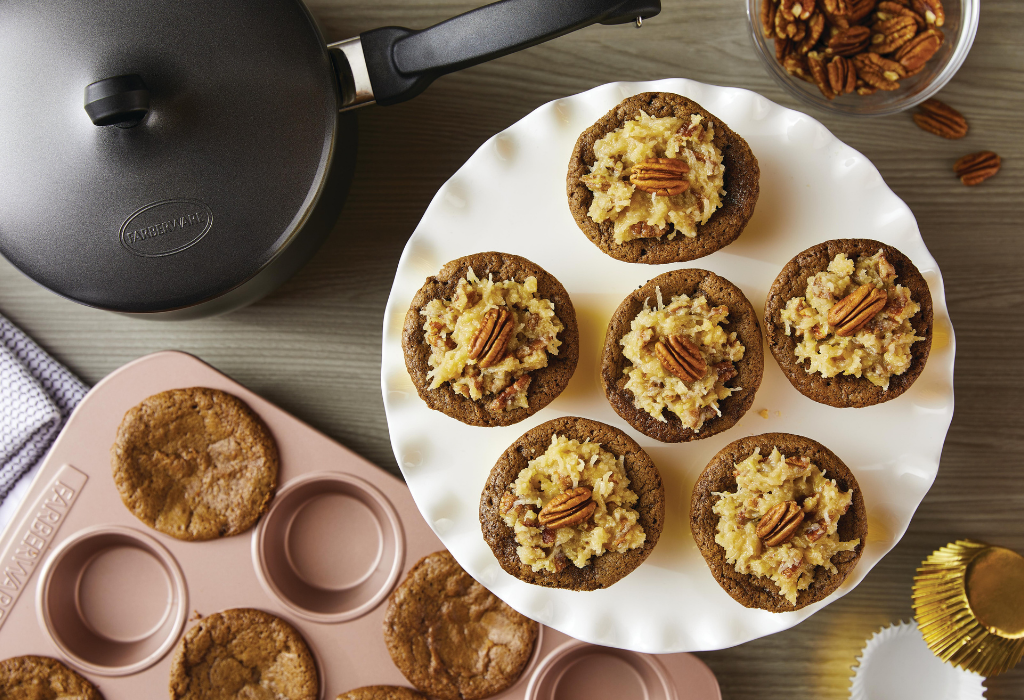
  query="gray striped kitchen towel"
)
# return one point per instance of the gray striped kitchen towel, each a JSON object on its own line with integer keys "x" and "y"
{"x": 37, "y": 394}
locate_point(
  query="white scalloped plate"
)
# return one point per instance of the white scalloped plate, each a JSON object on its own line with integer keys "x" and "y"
{"x": 510, "y": 196}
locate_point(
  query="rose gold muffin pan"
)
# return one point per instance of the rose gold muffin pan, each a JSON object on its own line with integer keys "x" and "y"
{"x": 83, "y": 580}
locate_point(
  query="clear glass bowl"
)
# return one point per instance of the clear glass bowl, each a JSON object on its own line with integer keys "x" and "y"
{"x": 960, "y": 27}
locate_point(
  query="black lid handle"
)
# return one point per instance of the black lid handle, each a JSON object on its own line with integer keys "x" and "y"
{"x": 401, "y": 63}
{"x": 121, "y": 101}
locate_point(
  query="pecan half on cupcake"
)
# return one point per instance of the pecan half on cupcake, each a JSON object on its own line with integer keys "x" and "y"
{"x": 682, "y": 356}
{"x": 491, "y": 339}
{"x": 779, "y": 519}
{"x": 850, "y": 322}
{"x": 659, "y": 179}
{"x": 572, "y": 504}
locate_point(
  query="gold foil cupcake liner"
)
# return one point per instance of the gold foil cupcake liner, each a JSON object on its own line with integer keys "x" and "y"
{"x": 969, "y": 605}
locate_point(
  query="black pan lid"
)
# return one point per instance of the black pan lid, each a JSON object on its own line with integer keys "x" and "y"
{"x": 200, "y": 195}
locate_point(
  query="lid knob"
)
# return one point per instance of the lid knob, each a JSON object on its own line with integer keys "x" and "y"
{"x": 120, "y": 101}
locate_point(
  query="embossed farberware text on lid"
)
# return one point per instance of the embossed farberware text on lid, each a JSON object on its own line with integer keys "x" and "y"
{"x": 239, "y": 105}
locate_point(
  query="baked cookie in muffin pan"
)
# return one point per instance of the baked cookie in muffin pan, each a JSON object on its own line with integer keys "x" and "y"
{"x": 574, "y": 504}
{"x": 682, "y": 356}
{"x": 490, "y": 339}
{"x": 659, "y": 179}
{"x": 439, "y": 628}
{"x": 195, "y": 463}
{"x": 42, "y": 678}
{"x": 779, "y": 519}
{"x": 850, "y": 322}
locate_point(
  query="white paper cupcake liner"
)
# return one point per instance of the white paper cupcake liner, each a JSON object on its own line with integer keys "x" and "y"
{"x": 896, "y": 664}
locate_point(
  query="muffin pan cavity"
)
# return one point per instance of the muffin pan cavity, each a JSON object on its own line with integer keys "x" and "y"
{"x": 112, "y": 599}
{"x": 330, "y": 548}
{"x": 577, "y": 670}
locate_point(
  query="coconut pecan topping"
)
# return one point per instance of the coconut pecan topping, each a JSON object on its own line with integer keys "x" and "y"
{"x": 491, "y": 341}
{"x": 779, "y": 524}
{"x": 856, "y": 309}
{"x": 680, "y": 356}
{"x": 566, "y": 509}
{"x": 661, "y": 176}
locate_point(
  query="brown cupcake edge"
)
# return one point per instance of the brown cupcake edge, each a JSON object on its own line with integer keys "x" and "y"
{"x": 741, "y": 181}
{"x": 742, "y": 319}
{"x": 761, "y": 592}
{"x": 546, "y": 383}
{"x": 610, "y": 567}
{"x": 844, "y": 391}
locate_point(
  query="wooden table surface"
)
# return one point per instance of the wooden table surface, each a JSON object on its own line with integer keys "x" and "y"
{"x": 313, "y": 347}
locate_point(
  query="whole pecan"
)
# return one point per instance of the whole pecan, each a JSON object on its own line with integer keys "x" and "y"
{"x": 783, "y": 48}
{"x": 661, "y": 176}
{"x": 796, "y": 9}
{"x": 975, "y": 168}
{"x": 794, "y": 29}
{"x": 842, "y": 77}
{"x": 681, "y": 357}
{"x": 797, "y": 66}
{"x": 916, "y": 52}
{"x": 815, "y": 28}
{"x": 855, "y": 310}
{"x": 566, "y": 509}
{"x": 849, "y": 42}
{"x": 940, "y": 119}
{"x": 836, "y": 7}
{"x": 768, "y": 18}
{"x": 931, "y": 10}
{"x": 491, "y": 340}
{"x": 887, "y": 9}
{"x": 779, "y": 524}
{"x": 890, "y": 34}
{"x": 877, "y": 71}
{"x": 819, "y": 73}
{"x": 859, "y": 9}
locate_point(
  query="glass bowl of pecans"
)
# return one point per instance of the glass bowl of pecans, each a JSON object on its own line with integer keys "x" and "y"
{"x": 863, "y": 57}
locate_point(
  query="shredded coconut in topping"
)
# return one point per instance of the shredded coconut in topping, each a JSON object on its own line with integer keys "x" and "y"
{"x": 644, "y": 138}
{"x": 654, "y": 388}
{"x": 451, "y": 326}
{"x": 566, "y": 465}
{"x": 763, "y": 484}
{"x": 877, "y": 351}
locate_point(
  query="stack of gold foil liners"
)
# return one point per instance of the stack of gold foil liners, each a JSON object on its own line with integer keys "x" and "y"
{"x": 969, "y": 605}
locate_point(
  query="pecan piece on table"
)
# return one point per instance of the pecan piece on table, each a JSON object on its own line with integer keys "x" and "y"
{"x": 680, "y": 356}
{"x": 940, "y": 119}
{"x": 975, "y": 168}
{"x": 849, "y": 42}
{"x": 491, "y": 341}
{"x": 779, "y": 524}
{"x": 661, "y": 176}
{"x": 566, "y": 509}
{"x": 854, "y": 310}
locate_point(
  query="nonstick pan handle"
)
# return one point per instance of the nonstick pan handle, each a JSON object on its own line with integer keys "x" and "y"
{"x": 400, "y": 63}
